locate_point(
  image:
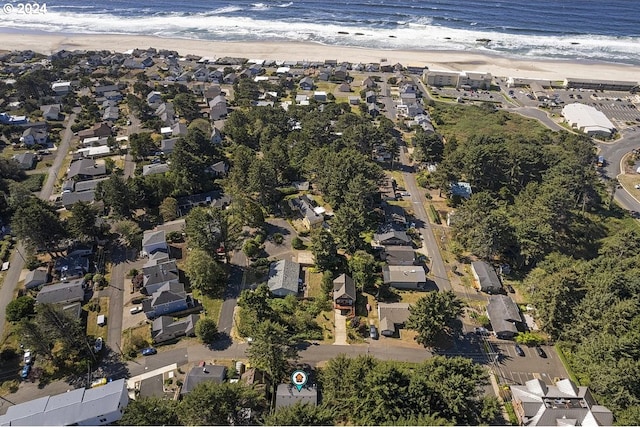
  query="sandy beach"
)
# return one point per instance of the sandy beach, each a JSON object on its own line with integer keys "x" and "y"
{"x": 436, "y": 60}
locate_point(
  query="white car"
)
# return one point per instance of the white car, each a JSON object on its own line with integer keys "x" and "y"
{"x": 637, "y": 186}
{"x": 28, "y": 357}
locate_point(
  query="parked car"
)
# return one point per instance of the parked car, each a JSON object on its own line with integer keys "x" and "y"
{"x": 519, "y": 350}
{"x": 97, "y": 347}
{"x": 373, "y": 332}
{"x": 24, "y": 374}
{"x": 540, "y": 351}
{"x": 135, "y": 310}
{"x": 28, "y": 357}
{"x": 482, "y": 331}
{"x": 149, "y": 351}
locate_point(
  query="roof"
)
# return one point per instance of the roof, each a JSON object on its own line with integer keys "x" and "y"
{"x": 344, "y": 287}
{"x": 167, "y": 293}
{"x": 287, "y": 395}
{"x": 393, "y": 234}
{"x": 162, "y": 271}
{"x": 155, "y": 168}
{"x": 486, "y": 275}
{"x": 165, "y": 327}
{"x": 62, "y": 292}
{"x": 199, "y": 374}
{"x": 303, "y": 204}
{"x": 585, "y": 116}
{"x": 503, "y": 312}
{"x": 86, "y": 167}
{"x": 69, "y": 199}
{"x": 73, "y": 407}
{"x": 153, "y": 237}
{"x": 396, "y": 313}
{"x": 399, "y": 255}
{"x": 462, "y": 189}
{"x": 35, "y": 278}
{"x": 403, "y": 274}
{"x": 88, "y": 185}
{"x": 284, "y": 276}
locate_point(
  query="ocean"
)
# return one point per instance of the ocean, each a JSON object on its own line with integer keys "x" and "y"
{"x": 589, "y": 30}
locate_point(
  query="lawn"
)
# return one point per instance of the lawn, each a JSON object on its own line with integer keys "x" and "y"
{"x": 212, "y": 306}
{"x": 629, "y": 181}
{"x": 135, "y": 339}
{"x": 314, "y": 284}
{"x": 397, "y": 175}
{"x": 326, "y": 318}
{"x": 93, "y": 330}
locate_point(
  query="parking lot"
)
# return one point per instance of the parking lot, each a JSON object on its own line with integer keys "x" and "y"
{"x": 514, "y": 369}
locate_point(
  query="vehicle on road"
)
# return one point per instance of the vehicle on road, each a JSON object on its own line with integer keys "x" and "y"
{"x": 97, "y": 346}
{"x": 519, "y": 351}
{"x": 600, "y": 161}
{"x": 28, "y": 357}
{"x": 24, "y": 374}
{"x": 149, "y": 351}
{"x": 540, "y": 352}
{"x": 373, "y": 332}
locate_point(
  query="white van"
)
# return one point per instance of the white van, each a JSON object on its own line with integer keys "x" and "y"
{"x": 135, "y": 310}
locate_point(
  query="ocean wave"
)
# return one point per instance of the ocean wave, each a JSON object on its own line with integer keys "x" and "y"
{"x": 285, "y": 4}
{"x": 260, "y": 6}
{"x": 417, "y": 34}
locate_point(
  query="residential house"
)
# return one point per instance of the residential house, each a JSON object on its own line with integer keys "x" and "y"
{"x": 34, "y": 135}
{"x": 505, "y": 316}
{"x": 112, "y": 95}
{"x": 25, "y": 160}
{"x": 288, "y": 394}
{"x": 51, "y": 112}
{"x": 218, "y": 108}
{"x": 72, "y": 266}
{"x": 562, "y": 404}
{"x": 399, "y": 255}
{"x": 219, "y": 169}
{"x": 85, "y": 169}
{"x": 392, "y": 317}
{"x": 373, "y": 110}
{"x": 169, "y": 298}
{"x": 404, "y": 276}
{"x": 369, "y": 83}
{"x": 82, "y": 407}
{"x": 306, "y": 83}
{"x": 344, "y": 294}
{"x": 341, "y": 72}
{"x": 216, "y": 136}
{"x": 284, "y": 278}
{"x": 392, "y": 238}
{"x": 35, "y": 278}
{"x": 101, "y": 90}
{"x": 167, "y": 145}
{"x": 486, "y": 277}
{"x": 62, "y": 292}
{"x": 153, "y": 241}
{"x": 311, "y": 217}
{"x": 61, "y": 88}
{"x": 320, "y": 95}
{"x": 99, "y": 129}
{"x": 165, "y": 328}
{"x": 199, "y": 374}
{"x": 154, "y": 169}
{"x": 71, "y": 198}
{"x": 154, "y": 99}
{"x": 461, "y": 189}
{"x": 166, "y": 113}
{"x": 370, "y": 97}
{"x": 344, "y": 87}
{"x": 230, "y": 78}
{"x": 157, "y": 274}
{"x": 178, "y": 129}
{"x": 211, "y": 198}
{"x": 354, "y": 100}
{"x": 111, "y": 114}
{"x": 395, "y": 215}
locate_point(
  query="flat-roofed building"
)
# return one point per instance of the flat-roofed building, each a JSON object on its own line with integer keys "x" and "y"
{"x": 600, "y": 84}
{"x": 458, "y": 79}
{"x": 441, "y": 78}
{"x": 538, "y": 91}
{"x": 588, "y": 120}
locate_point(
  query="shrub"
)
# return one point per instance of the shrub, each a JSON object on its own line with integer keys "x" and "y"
{"x": 297, "y": 243}
{"x": 529, "y": 338}
{"x": 278, "y": 238}
{"x": 19, "y": 308}
{"x": 206, "y": 330}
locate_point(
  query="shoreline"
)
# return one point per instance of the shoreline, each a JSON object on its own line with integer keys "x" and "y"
{"x": 500, "y": 66}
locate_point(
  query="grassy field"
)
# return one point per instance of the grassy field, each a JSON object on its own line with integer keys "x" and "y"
{"x": 93, "y": 329}
{"x": 212, "y": 306}
{"x": 326, "y": 318}
{"x": 629, "y": 181}
{"x": 136, "y": 338}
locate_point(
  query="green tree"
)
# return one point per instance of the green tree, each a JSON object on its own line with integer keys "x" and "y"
{"x": 250, "y": 248}
{"x": 205, "y": 273}
{"x": 272, "y": 349}
{"x": 116, "y": 195}
{"x": 151, "y": 411}
{"x": 206, "y": 330}
{"x": 130, "y": 232}
{"x": 300, "y": 414}
{"x": 257, "y": 302}
{"x": 187, "y": 106}
{"x": 363, "y": 268}
{"x": 141, "y": 145}
{"x": 211, "y": 229}
{"x": 20, "y": 308}
{"x": 82, "y": 223}
{"x": 169, "y": 209}
{"x": 37, "y": 223}
{"x": 434, "y": 314}
{"x": 428, "y": 147}
{"x": 324, "y": 249}
{"x": 221, "y": 404}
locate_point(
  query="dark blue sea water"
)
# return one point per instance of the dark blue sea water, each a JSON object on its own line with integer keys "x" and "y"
{"x": 559, "y": 29}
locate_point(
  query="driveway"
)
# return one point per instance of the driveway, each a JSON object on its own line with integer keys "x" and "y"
{"x": 340, "y": 331}
{"x": 278, "y": 225}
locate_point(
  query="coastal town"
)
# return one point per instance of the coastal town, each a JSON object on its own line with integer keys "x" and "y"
{"x": 180, "y": 228}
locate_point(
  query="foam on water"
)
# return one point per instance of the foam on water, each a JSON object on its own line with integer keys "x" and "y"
{"x": 414, "y": 33}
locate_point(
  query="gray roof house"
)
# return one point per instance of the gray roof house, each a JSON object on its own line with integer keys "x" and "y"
{"x": 218, "y": 108}
{"x": 310, "y": 218}
{"x": 69, "y": 199}
{"x": 200, "y": 374}
{"x": 84, "y": 407}
{"x": 284, "y": 277}
{"x": 155, "y": 169}
{"x": 153, "y": 241}
{"x": 486, "y": 277}
{"x": 157, "y": 275}
{"x": 392, "y": 317}
{"x": 35, "y": 278}
{"x": 399, "y": 255}
{"x": 51, "y": 112}
{"x": 344, "y": 293}
{"x": 62, "y": 293}
{"x": 169, "y": 298}
{"x": 393, "y": 237}
{"x": 167, "y": 145}
{"x": 86, "y": 169}
{"x": 25, "y": 160}
{"x": 504, "y": 315}
{"x": 562, "y": 404}
{"x": 165, "y": 328}
{"x": 34, "y": 135}
{"x": 288, "y": 395}
{"x": 306, "y": 83}
{"x": 404, "y": 276}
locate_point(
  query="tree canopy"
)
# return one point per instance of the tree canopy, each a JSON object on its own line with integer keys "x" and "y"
{"x": 434, "y": 314}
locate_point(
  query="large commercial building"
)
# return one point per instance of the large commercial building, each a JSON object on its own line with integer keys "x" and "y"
{"x": 588, "y": 120}
{"x": 600, "y": 84}
{"x": 462, "y": 79}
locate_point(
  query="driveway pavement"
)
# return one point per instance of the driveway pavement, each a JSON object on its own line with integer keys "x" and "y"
{"x": 340, "y": 331}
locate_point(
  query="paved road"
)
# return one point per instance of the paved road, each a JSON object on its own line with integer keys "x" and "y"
{"x": 12, "y": 276}
{"x": 120, "y": 257}
{"x": 235, "y": 286}
{"x": 613, "y": 154}
{"x": 438, "y": 269}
